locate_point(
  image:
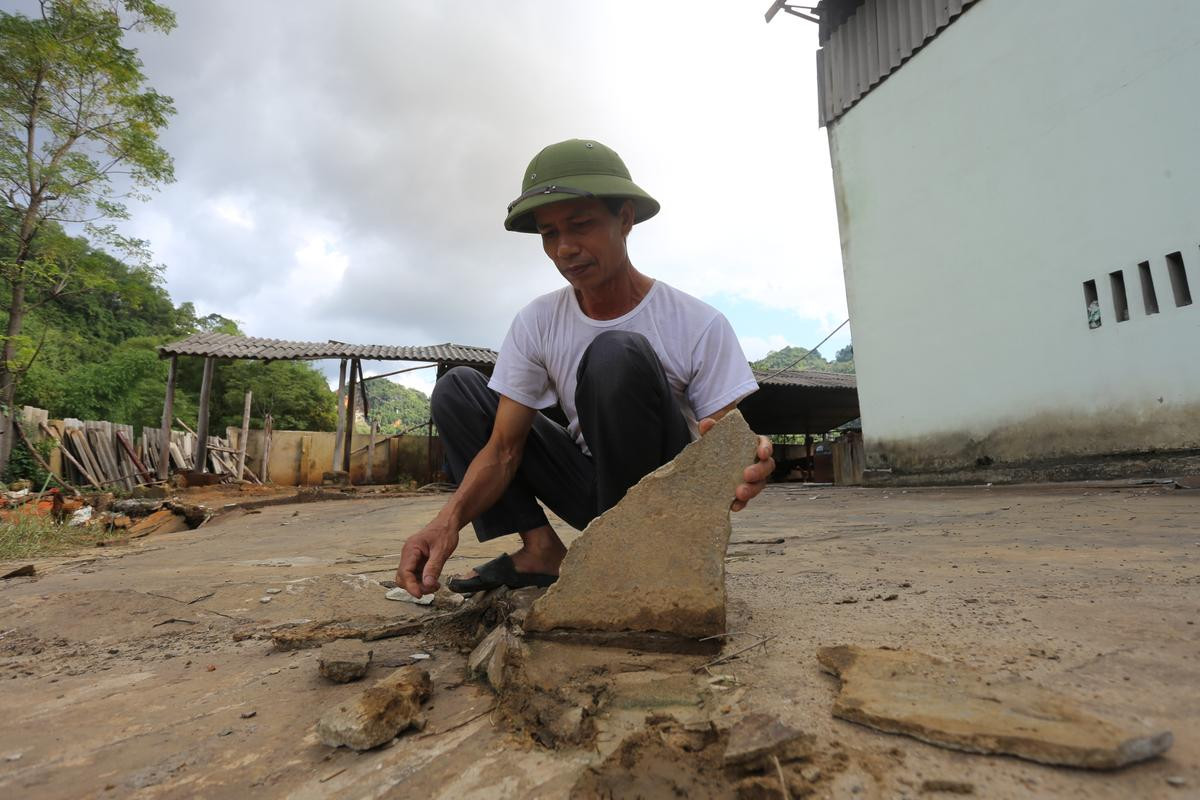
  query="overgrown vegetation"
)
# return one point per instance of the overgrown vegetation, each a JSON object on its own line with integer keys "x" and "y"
{"x": 32, "y": 535}
{"x": 398, "y": 408}
{"x": 779, "y": 359}
{"x": 96, "y": 357}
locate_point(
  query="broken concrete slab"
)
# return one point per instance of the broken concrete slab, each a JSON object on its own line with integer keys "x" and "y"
{"x": 379, "y": 714}
{"x": 656, "y": 560}
{"x": 344, "y": 660}
{"x": 162, "y": 521}
{"x": 951, "y": 705}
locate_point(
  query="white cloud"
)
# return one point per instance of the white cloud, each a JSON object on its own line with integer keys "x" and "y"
{"x": 756, "y": 347}
{"x": 232, "y": 211}
{"x": 359, "y": 196}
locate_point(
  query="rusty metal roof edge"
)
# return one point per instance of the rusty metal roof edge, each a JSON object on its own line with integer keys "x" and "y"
{"x": 221, "y": 345}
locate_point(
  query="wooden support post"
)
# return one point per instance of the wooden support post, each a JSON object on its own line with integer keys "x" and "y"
{"x": 164, "y": 452}
{"x": 350, "y": 406}
{"x": 341, "y": 417}
{"x": 268, "y": 427}
{"x": 243, "y": 436}
{"x": 371, "y": 452}
{"x": 200, "y": 462}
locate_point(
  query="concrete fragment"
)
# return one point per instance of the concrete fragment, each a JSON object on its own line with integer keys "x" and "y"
{"x": 367, "y": 628}
{"x": 23, "y": 571}
{"x": 757, "y": 736}
{"x": 377, "y": 715}
{"x": 481, "y": 656}
{"x": 953, "y": 706}
{"x": 344, "y": 660}
{"x": 656, "y": 560}
{"x": 162, "y": 521}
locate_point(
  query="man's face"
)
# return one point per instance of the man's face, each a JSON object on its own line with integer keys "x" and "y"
{"x": 585, "y": 240}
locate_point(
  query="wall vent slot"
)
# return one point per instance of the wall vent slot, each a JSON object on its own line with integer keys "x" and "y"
{"x": 1149, "y": 297}
{"x": 1116, "y": 281}
{"x": 1091, "y": 302}
{"x": 1179, "y": 281}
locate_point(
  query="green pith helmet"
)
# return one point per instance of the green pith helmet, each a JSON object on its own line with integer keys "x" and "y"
{"x": 575, "y": 168}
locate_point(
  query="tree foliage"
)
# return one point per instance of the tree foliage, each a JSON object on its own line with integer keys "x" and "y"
{"x": 78, "y": 137}
{"x": 786, "y": 358}
{"x": 396, "y": 408}
{"x": 99, "y": 358}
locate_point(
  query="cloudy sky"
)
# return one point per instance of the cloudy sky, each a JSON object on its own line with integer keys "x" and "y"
{"x": 343, "y": 168}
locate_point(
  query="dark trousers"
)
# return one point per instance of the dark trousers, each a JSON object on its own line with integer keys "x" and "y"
{"x": 627, "y": 414}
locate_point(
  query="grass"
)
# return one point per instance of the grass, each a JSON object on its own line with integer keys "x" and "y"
{"x": 32, "y": 535}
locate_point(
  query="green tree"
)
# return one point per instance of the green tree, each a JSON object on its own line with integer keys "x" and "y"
{"x": 788, "y": 357}
{"x": 78, "y": 136}
{"x": 294, "y": 393}
{"x": 397, "y": 408}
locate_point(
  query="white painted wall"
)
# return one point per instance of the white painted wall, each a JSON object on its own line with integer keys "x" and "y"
{"x": 1030, "y": 147}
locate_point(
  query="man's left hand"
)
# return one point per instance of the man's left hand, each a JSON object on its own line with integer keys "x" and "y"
{"x": 755, "y": 476}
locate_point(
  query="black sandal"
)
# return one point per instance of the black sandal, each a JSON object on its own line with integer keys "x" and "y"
{"x": 500, "y": 572}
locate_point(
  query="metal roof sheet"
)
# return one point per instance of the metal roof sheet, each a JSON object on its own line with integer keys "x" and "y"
{"x": 223, "y": 345}
{"x": 864, "y": 41}
{"x": 807, "y": 378}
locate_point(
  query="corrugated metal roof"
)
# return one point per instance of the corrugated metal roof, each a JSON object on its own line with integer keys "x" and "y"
{"x": 864, "y": 41}
{"x": 223, "y": 345}
{"x": 807, "y": 378}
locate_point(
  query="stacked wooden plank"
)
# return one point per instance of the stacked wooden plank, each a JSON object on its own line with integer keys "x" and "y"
{"x": 183, "y": 448}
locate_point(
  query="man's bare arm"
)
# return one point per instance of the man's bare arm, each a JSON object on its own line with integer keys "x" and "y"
{"x": 489, "y": 474}
{"x": 755, "y": 476}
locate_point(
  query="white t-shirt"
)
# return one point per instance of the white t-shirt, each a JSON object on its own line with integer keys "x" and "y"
{"x": 701, "y": 355}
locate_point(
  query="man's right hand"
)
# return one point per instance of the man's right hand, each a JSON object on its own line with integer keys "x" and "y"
{"x": 423, "y": 556}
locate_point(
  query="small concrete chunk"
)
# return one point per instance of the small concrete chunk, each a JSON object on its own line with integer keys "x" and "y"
{"x": 953, "y": 706}
{"x": 379, "y": 714}
{"x": 757, "y": 736}
{"x": 656, "y": 560}
{"x": 344, "y": 660}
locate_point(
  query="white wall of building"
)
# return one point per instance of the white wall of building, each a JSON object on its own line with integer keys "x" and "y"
{"x": 1030, "y": 147}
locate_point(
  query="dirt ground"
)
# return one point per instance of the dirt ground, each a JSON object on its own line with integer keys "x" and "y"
{"x": 121, "y": 675}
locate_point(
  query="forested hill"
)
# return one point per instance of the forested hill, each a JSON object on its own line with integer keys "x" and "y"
{"x": 92, "y": 354}
{"x": 778, "y": 359}
{"x": 398, "y": 408}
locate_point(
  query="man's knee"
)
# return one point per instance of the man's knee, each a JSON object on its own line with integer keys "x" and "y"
{"x": 451, "y": 391}
{"x": 615, "y": 352}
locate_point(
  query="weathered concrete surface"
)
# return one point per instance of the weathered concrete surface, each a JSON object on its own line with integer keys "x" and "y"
{"x": 1090, "y": 589}
{"x": 656, "y": 560}
{"x": 376, "y": 716}
{"x": 344, "y": 660}
{"x": 900, "y": 691}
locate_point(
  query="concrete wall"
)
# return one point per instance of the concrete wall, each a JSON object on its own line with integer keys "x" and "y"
{"x": 301, "y": 458}
{"x": 1031, "y": 147}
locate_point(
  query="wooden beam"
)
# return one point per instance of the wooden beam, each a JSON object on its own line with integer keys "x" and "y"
{"x": 371, "y": 452}
{"x": 268, "y": 429}
{"x": 201, "y": 460}
{"x": 128, "y": 448}
{"x": 341, "y": 417}
{"x": 350, "y": 404}
{"x": 164, "y": 444}
{"x": 245, "y": 434}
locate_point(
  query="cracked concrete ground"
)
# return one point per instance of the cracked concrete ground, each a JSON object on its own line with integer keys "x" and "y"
{"x": 121, "y": 676}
